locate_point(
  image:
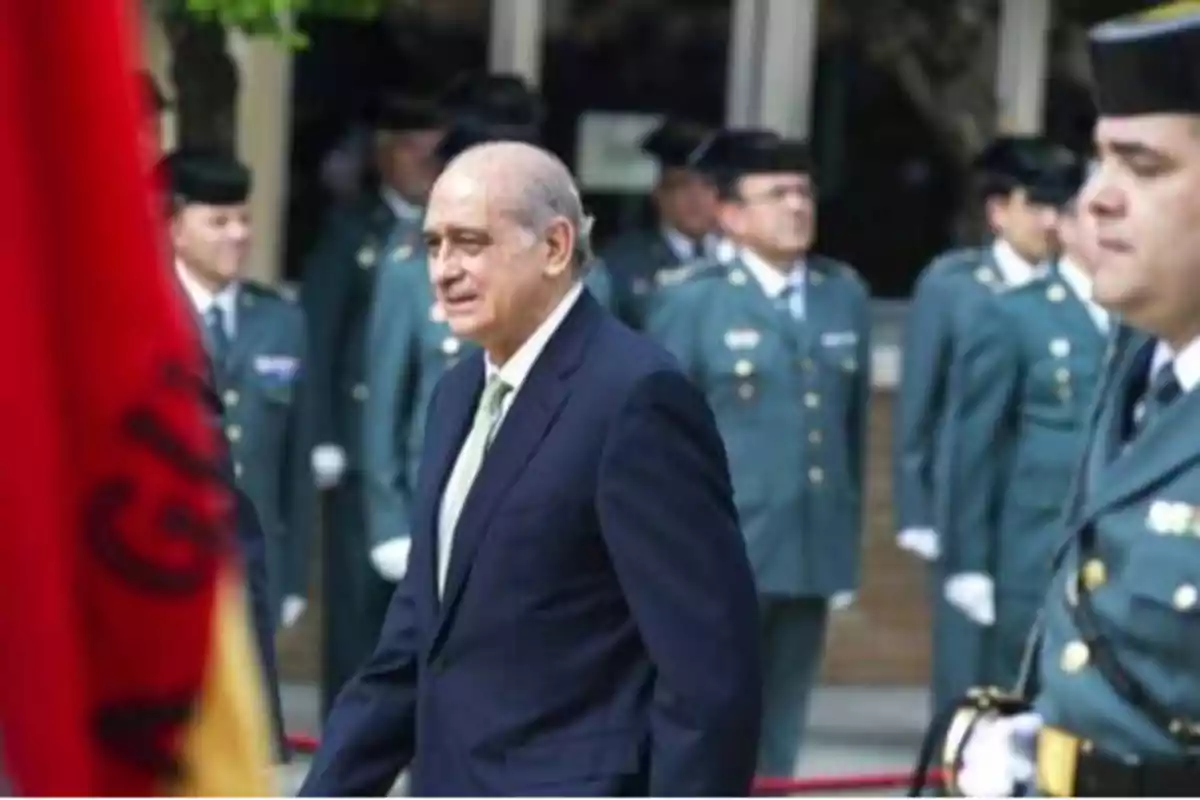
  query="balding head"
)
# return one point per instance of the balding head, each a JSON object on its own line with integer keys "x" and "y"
{"x": 535, "y": 187}
{"x": 507, "y": 239}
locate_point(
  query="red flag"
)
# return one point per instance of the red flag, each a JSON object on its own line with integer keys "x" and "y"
{"x": 114, "y": 519}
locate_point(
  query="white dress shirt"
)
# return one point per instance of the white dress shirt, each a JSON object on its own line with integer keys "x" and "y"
{"x": 684, "y": 247}
{"x": 402, "y": 208}
{"x": 1014, "y": 269}
{"x": 1186, "y": 363}
{"x": 772, "y": 280}
{"x": 1081, "y": 284}
{"x": 204, "y": 298}
{"x": 514, "y": 372}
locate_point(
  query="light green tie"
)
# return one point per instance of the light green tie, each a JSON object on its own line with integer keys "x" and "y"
{"x": 483, "y": 430}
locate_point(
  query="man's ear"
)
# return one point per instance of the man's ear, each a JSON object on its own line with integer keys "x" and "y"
{"x": 560, "y": 246}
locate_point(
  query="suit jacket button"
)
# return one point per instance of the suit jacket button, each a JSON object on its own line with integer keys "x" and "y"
{"x": 359, "y": 392}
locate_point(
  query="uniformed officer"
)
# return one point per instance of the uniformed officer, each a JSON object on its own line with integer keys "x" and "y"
{"x": 942, "y": 298}
{"x": 1119, "y": 659}
{"x": 778, "y": 339}
{"x": 685, "y": 203}
{"x": 1031, "y": 360}
{"x": 410, "y": 345}
{"x": 338, "y": 283}
{"x": 209, "y": 232}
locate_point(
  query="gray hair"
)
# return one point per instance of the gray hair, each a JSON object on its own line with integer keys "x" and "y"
{"x": 550, "y": 194}
{"x": 542, "y": 192}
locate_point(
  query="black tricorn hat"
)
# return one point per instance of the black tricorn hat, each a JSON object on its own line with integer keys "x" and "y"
{"x": 1148, "y": 63}
{"x": 209, "y": 176}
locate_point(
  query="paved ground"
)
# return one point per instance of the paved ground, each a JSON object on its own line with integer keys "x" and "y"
{"x": 852, "y": 730}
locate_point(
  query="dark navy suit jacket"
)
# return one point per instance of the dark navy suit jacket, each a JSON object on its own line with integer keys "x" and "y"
{"x": 598, "y": 633}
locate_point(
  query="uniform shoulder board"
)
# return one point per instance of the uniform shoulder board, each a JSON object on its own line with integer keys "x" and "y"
{"x": 263, "y": 290}
{"x": 960, "y": 258}
{"x": 838, "y": 269}
{"x": 686, "y": 273}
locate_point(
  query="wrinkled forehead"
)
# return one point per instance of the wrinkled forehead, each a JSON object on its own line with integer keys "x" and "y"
{"x": 463, "y": 200}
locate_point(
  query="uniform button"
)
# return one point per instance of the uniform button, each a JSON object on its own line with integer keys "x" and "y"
{"x": 746, "y": 391}
{"x": 1094, "y": 574}
{"x": 234, "y": 432}
{"x": 816, "y": 475}
{"x": 359, "y": 392}
{"x": 1062, "y": 375}
{"x": 230, "y": 398}
{"x": 815, "y": 437}
{"x": 1074, "y": 657}
{"x": 450, "y": 345}
{"x": 812, "y": 399}
{"x": 743, "y": 368}
{"x": 1185, "y": 597}
{"x": 807, "y": 365}
{"x": 238, "y": 469}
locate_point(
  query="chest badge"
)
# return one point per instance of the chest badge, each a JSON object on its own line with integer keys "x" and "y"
{"x": 742, "y": 338}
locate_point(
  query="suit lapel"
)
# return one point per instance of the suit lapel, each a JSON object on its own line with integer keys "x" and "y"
{"x": 532, "y": 414}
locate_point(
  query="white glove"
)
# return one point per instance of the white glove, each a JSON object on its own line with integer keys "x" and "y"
{"x": 293, "y": 608}
{"x": 328, "y": 465}
{"x": 391, "y": 558}
{"x": 921, "y": 542}
{"x": 998, "y": 757}
{"x": 841, "y": 601}
{"x": 974, "y": 594}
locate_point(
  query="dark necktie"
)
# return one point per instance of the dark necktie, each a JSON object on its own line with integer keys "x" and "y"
{"x": 1163, "y": 390}
{"x": 216, "y": 336}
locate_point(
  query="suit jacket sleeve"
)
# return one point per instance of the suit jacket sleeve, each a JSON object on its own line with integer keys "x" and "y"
{"x": 387, "y": 414}
{"x": 920, "y": 405}
{"x": 300, "y": 500}
{"x": 985, "y": 419}
{"x": 667, "y": 516}
{"x": 325, "y": 296}
{"x": 370, "y": 734}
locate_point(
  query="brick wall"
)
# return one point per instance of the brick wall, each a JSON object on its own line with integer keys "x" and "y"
{"x": 882, "y": 640}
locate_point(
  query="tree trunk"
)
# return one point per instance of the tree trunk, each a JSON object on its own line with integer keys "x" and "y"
{"x": 206, "y": 82}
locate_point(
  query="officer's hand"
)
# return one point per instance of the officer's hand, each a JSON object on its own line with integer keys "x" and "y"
{"x": 921, "y": 542}
{"x": 391, "y": 558}
{"x": 974, "y": 594}
{"x": 841, "y": 601}
{"x": 293, "y": 608}
{"x": 328, "y": 465}
{"x": 998, "y": 757}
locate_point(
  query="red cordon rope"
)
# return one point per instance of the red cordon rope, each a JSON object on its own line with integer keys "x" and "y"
{"x": 763, "y": 787}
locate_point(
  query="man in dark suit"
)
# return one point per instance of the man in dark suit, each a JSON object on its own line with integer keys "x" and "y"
{"x": 579, "y": 615}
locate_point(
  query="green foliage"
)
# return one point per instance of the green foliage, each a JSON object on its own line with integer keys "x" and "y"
{"x": 279, "y": 19}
